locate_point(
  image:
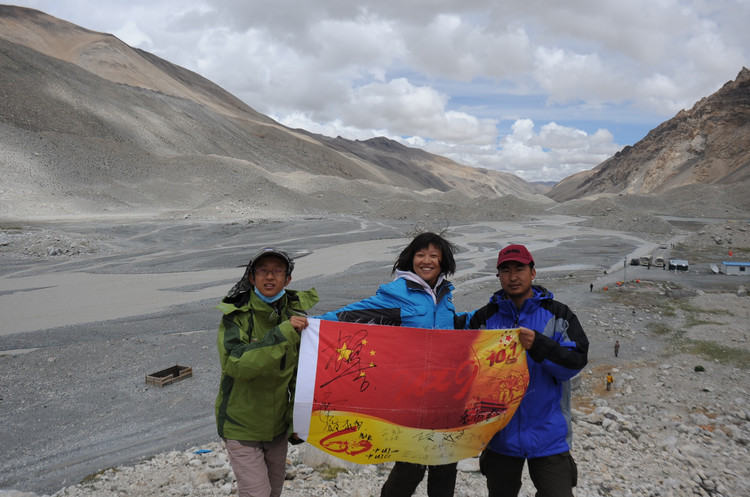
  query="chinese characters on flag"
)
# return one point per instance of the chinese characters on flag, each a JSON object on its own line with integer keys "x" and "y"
{"x": 371, "y": 394}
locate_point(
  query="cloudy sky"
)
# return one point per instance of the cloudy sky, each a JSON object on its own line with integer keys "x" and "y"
{"x": 541, "y": 89}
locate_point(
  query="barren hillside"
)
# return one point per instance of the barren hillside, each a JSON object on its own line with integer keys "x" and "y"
{"x": 91, "y": 126}
{"x": 709, "y": 144}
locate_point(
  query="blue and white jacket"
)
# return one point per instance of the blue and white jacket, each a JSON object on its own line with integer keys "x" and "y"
{"x": 541, "y": 425}
{"x": 406, "y": 301}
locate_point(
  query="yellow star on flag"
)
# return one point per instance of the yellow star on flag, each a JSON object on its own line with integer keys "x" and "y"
{"x": 344, "y": 353}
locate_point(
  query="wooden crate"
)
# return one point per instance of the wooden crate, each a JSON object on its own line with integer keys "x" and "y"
{"x": 169, "y": 375}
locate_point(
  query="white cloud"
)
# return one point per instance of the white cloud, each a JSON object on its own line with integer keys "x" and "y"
{"x": 541, "y": 156}
{"x": 554, "y": 152}
{"x": 334, "y": 128}
{"x": 409, "y": 110}
{"x": 133, "y": 36}
{"x": 401, "y": 111}
{"x": 568, "y": 77}
{"x": 454, "y": 48}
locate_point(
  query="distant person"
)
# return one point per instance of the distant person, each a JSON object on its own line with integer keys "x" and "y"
{"x": 420, "y": 296}
{"x": 557, "y": 349}
{"x": 258, "y": 344}
{"x": 610, "y": 380}
{"x": 591, "y": 287}
{"x": 617, "y": 346}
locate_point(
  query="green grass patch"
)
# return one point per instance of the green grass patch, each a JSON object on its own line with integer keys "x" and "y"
{"x": 659, "y": 328}
{"x": 678, "y": 343}
{"x": 692, "y": 321}
{"x": 687, "y": 306}
{"x": 653, "y": 302}
{"x": 692, "y": 313}
{"x": 715, "y": 352}
{"x": 94, "y": 477}
{"x": 669, "y": 311}
{"x": 331, "y": 473}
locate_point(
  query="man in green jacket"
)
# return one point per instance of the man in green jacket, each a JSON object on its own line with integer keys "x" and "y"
{"x": 258, "y": 344}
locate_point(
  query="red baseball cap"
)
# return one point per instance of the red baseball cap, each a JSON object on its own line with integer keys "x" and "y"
{"x": 517, "y": 253}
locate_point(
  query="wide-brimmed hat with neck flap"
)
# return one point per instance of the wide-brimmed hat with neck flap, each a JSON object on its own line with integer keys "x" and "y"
{"x": 244, "y": 284}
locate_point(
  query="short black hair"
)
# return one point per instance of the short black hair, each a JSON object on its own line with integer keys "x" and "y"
{"x": 405, "y": 261}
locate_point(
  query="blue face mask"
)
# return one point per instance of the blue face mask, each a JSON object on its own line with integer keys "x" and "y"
{"x": 269, "y": 300}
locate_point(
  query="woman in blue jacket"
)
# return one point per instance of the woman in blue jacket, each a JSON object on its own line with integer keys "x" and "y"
{"x": 418, "y": 297}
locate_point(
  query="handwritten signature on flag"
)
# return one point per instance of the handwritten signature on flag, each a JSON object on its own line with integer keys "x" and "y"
{"x": 371, "y": 394}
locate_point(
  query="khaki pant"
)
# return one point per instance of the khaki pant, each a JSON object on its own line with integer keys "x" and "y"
{"x": 259, "y": 467}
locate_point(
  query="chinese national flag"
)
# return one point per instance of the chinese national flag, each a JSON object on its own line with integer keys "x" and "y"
{"x": 370, "y": 393}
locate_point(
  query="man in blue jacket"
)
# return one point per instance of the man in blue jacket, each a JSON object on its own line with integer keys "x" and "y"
{"x": 557, "y": 349}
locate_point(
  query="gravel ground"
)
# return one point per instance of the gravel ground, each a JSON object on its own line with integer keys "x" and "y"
{"x": 75, "y": 402}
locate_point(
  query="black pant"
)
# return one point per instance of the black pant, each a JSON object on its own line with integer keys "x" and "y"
{"x": 553, "y": 476}
{"x": 405, "y": 478}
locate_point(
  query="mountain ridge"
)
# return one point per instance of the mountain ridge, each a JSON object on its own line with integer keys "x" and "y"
{"x": 708, "y": 144}
{"x": 95, "y": 127}
{"x": 112, "y": 109}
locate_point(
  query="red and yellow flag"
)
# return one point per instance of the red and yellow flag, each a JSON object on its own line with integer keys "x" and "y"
{"x": 371, "y": 394}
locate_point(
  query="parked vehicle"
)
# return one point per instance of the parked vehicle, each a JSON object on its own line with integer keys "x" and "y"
{"x": 658, "y": 261}
{"x": 678, "y": 265}
{"x": 646, "y": 260}
{"x": 635, "y": 261}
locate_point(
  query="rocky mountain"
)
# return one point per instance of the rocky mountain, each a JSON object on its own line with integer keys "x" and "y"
{"x": 709, "y": 144}
{"x": 90, "y": 125}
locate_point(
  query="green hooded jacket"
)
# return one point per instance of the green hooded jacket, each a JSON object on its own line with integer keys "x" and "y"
{"x": 258, "y": 350}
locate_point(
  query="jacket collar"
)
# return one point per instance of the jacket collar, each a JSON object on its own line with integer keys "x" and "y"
{"x": 296, "y": 299}
{"x": 538, "y": 293}
{"x": 414, "y": 282}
